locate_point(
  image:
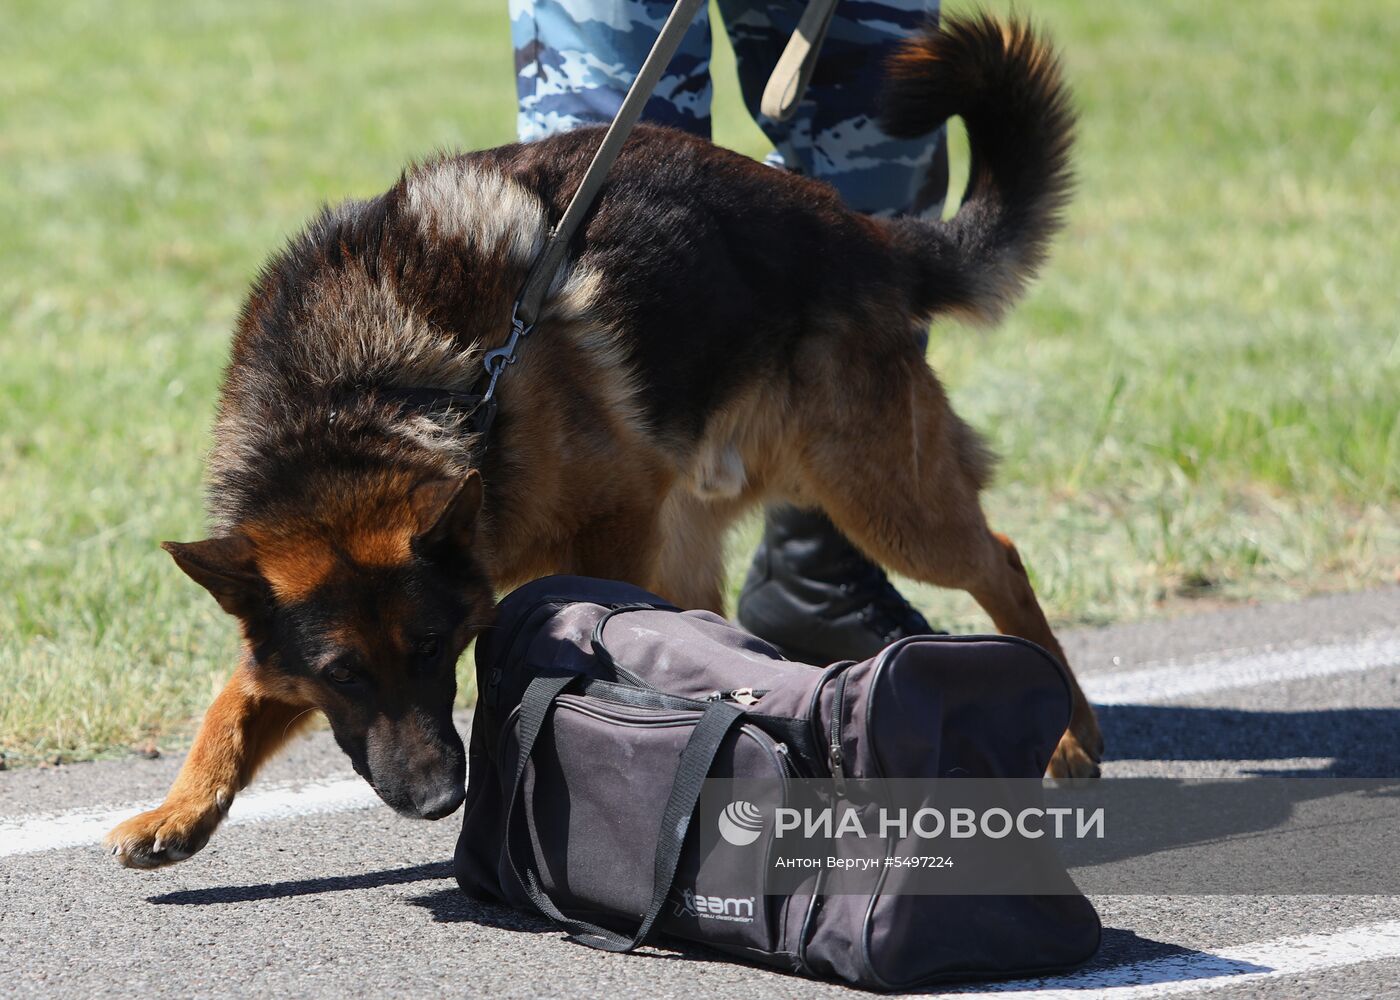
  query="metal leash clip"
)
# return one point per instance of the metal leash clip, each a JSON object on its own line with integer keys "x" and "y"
{"x": 496, "y": 361}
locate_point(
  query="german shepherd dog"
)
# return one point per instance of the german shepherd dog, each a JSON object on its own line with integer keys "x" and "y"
{"x": 725, "y": 335}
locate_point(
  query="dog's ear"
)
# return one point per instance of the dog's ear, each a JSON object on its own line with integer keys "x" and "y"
{"x": 226, "y": 568}
{"x": 446, "y": 509}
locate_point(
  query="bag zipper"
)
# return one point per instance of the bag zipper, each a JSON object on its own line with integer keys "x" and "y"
{"x": 781, "y": 753}
{"x": 745, "y": 696}
{"x": 784, "y": 753}
{"x": 832, "y": 736}
{"x": 642, "y": 696}
{"x": 836, "y": 756}
{"x": 619, "y": 713}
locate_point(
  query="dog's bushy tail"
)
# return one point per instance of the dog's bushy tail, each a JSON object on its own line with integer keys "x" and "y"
{"x": 1004, "y": 82}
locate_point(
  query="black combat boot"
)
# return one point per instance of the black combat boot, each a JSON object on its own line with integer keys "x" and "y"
{"x": 812, "y": 594}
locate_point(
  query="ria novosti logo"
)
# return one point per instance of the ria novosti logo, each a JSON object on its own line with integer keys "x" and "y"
{"x": 741, "y": 823}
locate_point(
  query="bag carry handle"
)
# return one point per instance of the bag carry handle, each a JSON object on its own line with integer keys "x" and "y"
{"x": 695, "y": 763}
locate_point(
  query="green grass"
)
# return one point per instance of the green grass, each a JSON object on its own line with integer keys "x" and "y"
{"x": 1199, "y": 400}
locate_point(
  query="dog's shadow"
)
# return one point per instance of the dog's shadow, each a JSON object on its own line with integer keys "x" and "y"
{"x": 448, "y": 905}
{"x": 304, "y": 887}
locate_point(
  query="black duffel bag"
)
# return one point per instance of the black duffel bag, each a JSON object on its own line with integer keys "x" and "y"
{"x": 601, "y": 711}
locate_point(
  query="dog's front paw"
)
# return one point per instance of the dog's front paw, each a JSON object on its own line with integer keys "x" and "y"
{"x": 1072, "y": 761}
{"x": 165, "y": 835}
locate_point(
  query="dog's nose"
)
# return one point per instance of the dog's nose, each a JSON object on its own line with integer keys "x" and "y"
{"x": 444, "y": 803}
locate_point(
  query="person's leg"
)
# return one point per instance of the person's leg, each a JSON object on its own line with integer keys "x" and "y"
{"x": 809, "y": 590}
{"x": 833, "y": 135}
{"x": 574, "y": 62}
{"x": 845, "y": 147}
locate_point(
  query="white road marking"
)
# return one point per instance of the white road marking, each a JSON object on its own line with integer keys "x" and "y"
{"x": 1242, "y": 767}
{"x": 1199, "y": 972}
{"x": 1173, "y": 680}
{"x": 85, "y": 827}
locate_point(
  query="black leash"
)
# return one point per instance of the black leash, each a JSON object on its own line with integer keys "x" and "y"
{"x": 481, "y": 407}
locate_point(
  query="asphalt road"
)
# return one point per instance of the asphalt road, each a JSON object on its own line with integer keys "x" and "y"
{"x": 313, "y": 890}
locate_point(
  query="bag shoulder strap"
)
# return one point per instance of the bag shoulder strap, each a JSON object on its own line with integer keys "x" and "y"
{"x": 695, "y": 763}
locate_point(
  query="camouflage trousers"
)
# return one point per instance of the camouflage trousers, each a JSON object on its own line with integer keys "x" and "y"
{"x": 575, "y": 59}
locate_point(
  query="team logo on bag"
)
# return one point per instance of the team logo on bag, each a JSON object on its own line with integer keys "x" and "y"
{"x": 740, "y": 823}
{"x": 736, "y": 909}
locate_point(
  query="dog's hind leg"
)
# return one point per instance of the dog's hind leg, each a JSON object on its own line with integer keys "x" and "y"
{"x": 243, "y": 727}
{"x": 1006, "y": 595}
{"x": 902, "y": 481}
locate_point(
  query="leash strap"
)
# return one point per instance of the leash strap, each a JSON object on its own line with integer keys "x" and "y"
{"x": 546, "y": 266}
{"x": 785, "y": 88}
{"x": 793, "y": 71}
{"x": 695, "y": 763}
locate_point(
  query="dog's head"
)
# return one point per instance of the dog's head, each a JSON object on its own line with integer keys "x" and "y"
{"x": 360, "y": 605}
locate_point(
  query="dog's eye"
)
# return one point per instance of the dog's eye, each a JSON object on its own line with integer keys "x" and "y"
{"x": 340, "y": 673}
{"x": 429, "y": 648}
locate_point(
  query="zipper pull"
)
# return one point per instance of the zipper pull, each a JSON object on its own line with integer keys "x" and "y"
{"x": 744, "y": 696}
{"x": 784, "y": 753}
{"x": 837, "y": 759}
{"x": 740, "y": 696}
{"x": 493, "y": 686}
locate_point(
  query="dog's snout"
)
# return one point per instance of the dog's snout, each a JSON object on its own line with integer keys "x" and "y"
{"x": 443, "y": 803}
{"x": 417, "y": 764}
